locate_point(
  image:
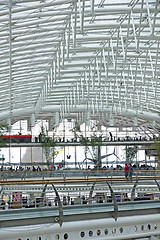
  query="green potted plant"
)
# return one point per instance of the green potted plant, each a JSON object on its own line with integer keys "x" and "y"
{"x": 130, "y": 153}
{"x": 48, "y": 144}
{"x": 3, "y": 129}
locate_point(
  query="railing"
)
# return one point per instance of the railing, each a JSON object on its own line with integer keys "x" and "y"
{"x": 4, "y": 175}
{"x": 147, "y": 187}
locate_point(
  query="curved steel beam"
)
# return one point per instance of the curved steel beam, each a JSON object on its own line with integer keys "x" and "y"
{"x": 81, "y": 108}
{"x": 1, "y": 189}
{"x": 60, "y": 219}
{"x": 133, "y": 191}
{"x": 43, "y": 193}
{"x": 114, "y": 200}
{"x": 115, "y": 215}
{"x": 90, "y": 193}
{"x": 157, "y": 184}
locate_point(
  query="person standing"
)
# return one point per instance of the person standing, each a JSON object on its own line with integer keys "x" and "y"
{"x": 40, "y": 137}
{"x": 126, "y": 171}
{"x": 130, "y": 171}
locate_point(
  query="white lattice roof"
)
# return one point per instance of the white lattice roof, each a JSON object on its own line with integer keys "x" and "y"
{"x": 97, "y": 59}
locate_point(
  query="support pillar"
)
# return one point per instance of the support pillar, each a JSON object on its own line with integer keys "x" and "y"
{"x": 99, "y": 157}
{"x": 57, "y": 118}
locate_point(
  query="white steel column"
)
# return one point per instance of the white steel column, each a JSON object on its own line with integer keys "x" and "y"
{"x": 10, "y": 73}
{"x": 10, "y": 60}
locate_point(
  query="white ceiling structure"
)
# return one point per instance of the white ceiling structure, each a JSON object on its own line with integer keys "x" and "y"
{"x": 82, "y": 59}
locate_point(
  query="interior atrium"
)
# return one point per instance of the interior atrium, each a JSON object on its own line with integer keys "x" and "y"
{"x": 79, "y": 74}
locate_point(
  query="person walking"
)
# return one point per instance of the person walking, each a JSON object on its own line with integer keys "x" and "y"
{"x": 126, "y": 171}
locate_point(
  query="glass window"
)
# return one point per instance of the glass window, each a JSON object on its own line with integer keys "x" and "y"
{"x": 82, "y": 234}
{"x": 57, "y": 237}
{"x": 66, "y": 236}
